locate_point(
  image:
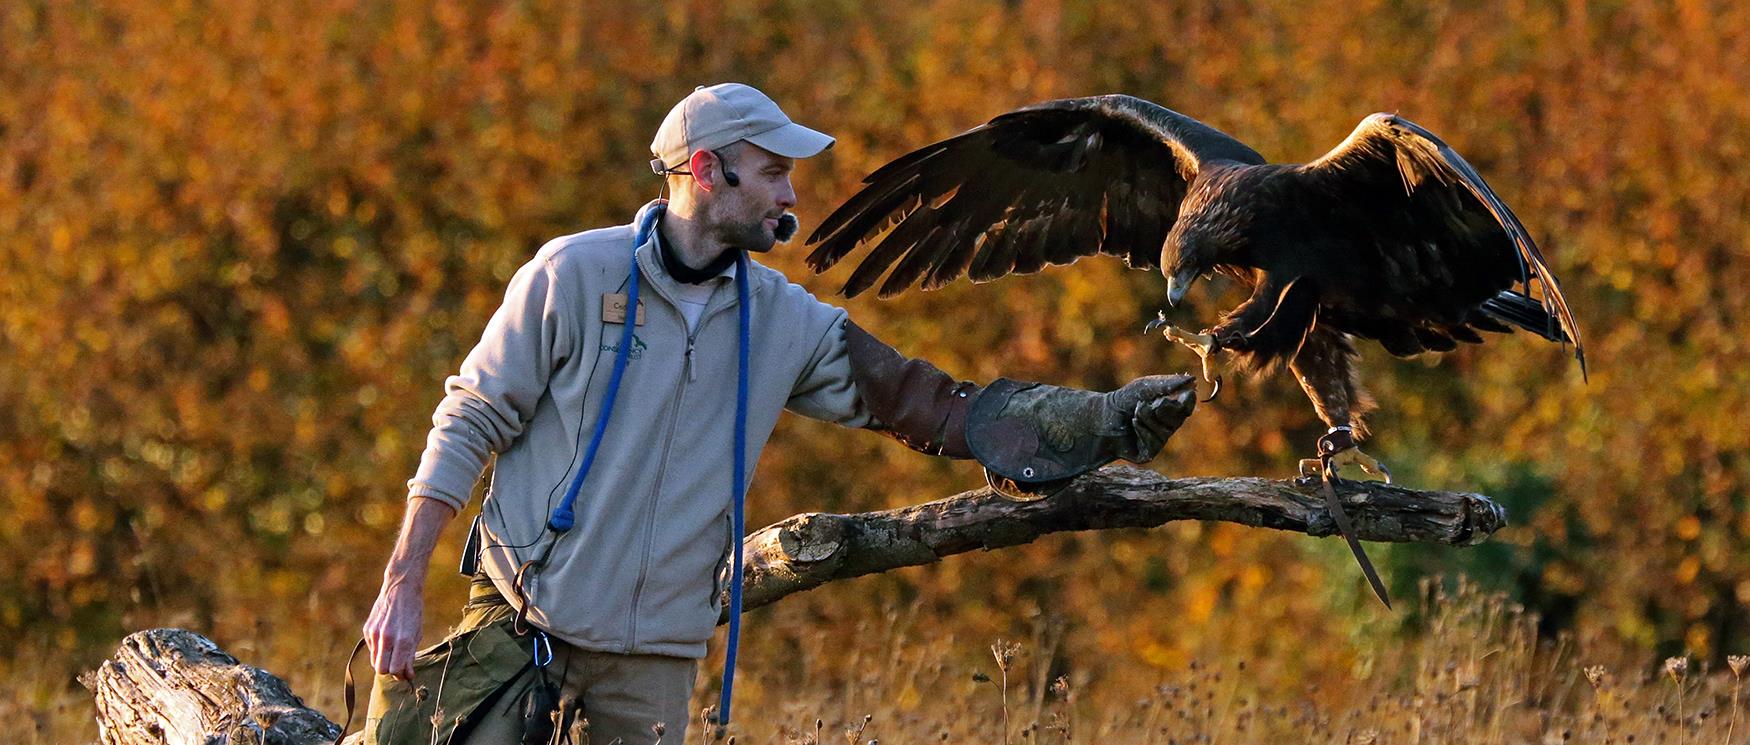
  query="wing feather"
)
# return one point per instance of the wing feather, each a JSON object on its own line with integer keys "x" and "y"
{"x": 1043, "y": 185}
{"x": 1453, "y": 217}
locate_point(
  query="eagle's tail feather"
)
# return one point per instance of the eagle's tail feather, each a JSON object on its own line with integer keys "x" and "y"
{"x": 1526, "y": 313}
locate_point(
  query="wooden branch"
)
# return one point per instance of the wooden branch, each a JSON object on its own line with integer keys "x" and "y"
{"x": 805, "y": 551}
{"x": 177, "y": 687}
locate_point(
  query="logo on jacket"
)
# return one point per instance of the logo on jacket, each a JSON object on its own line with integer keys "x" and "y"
{"x": 638, "y": 347}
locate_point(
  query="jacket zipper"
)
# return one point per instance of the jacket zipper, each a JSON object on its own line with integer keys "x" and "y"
{"x": 662, "y": 466}
{"x": 655, "y": 497}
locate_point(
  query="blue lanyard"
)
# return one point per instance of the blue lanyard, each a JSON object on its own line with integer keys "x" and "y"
{"x": 564, "y": 516}
{"x": 740, "y": 491}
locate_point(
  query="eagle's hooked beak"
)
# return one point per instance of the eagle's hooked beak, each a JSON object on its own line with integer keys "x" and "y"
{"x": 1177, "y": 284}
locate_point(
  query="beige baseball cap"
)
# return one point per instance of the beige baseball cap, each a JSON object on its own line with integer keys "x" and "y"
{"x": 715, "y": 116}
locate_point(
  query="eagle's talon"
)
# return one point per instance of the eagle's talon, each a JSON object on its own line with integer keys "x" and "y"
{"x": 1159, "y": 320}
{"x": 1216, "y": 390}
{"x": 1205, "y": 345}
{"x": 1354, "y": 457}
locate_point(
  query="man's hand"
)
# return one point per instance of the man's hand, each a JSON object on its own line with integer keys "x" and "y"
{"x": 392, "y": 631}
{"x": 1149, "y": 409}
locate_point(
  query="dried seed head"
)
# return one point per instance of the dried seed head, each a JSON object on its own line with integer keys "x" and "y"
{"x": 1737, "y": 662}
{"x": 658, "y": 728}
{"x": 1060, "y": 686}
{"x": 1595, "y": 675}
{"x": 1676, "y": 667}
{"x": 1005, "y": 653}
{"x": 980, "y": 677}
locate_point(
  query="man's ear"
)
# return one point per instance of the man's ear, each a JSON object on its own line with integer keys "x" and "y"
{"x": 706, "y": 169}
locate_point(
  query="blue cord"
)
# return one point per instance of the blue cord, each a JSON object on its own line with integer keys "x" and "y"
{"x": 564, "y": 516}
{"x": 740, "y": 492}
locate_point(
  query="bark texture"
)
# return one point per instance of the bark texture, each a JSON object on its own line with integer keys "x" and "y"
{"x": 805, "y": 551}
{"x": 177, "y": 687}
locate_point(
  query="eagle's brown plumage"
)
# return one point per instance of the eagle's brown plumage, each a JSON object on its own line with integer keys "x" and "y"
{"x": 1391, "y": 236}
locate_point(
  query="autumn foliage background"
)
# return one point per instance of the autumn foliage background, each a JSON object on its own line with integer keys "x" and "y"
{"x": 241, "y": 245}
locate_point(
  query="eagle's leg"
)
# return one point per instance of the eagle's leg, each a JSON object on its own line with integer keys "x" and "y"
{"x": 1270, "y": 325}
{"x": 1325, "y": 369}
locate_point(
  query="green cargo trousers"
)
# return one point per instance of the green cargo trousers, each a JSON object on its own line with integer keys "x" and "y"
{"x": 475, "y": 686}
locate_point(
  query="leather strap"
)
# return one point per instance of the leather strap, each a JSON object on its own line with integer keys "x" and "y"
{"x": 349, "y": 691}
{"x": 1329, "y": 445}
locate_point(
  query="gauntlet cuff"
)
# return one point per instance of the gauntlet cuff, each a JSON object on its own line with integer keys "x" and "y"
{"x": 910, "y": 399}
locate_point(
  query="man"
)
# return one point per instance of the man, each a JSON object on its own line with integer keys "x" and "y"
{"x": 607, "y": 615}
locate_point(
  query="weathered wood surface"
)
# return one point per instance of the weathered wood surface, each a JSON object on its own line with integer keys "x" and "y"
{"x": 805, "y": 551}
{"x": 175, "y": 687}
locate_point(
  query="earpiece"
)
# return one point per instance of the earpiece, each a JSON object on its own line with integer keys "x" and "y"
{"x": 729, "y": 176}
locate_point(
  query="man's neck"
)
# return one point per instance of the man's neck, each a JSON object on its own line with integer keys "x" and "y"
{"x": 686, "y": 235}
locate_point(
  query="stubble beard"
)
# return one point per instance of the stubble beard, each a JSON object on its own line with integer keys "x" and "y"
{"x": 752, "y": 236}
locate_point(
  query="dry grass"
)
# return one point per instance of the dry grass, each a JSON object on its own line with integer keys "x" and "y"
{"x": 1473, "y": 672}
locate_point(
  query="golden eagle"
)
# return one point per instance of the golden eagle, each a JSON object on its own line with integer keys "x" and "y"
{"x": 1391, "y": 236}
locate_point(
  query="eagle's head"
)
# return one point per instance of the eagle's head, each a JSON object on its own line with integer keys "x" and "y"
{"x": 1182, "y": 267}
{"x": 1210, "y": 231}
{"x": 1199, "y": 244}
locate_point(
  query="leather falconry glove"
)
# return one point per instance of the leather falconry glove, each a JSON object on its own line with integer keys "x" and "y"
{"x": 1030, "y": 437}
{"x": 1039, "y": 435}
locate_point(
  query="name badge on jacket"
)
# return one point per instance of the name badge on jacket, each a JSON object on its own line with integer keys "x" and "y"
{"x": 614, "y": 308}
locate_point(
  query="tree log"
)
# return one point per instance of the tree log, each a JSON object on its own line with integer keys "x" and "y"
{"x": 176, "y": 687}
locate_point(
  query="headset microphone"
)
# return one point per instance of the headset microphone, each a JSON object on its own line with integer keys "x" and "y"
{"x": 787, "y": 226}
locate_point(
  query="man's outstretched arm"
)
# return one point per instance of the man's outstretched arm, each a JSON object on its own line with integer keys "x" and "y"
{"x": 1020, "y": 431}
{"x": 392, "y": 631}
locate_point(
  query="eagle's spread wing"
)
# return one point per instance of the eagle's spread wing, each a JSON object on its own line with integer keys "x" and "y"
{"x": 1440, "y": 218}
{"x": 1047, "y": 184}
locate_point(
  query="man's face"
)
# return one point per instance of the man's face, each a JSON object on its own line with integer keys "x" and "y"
{"x": 754, "y": 214}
